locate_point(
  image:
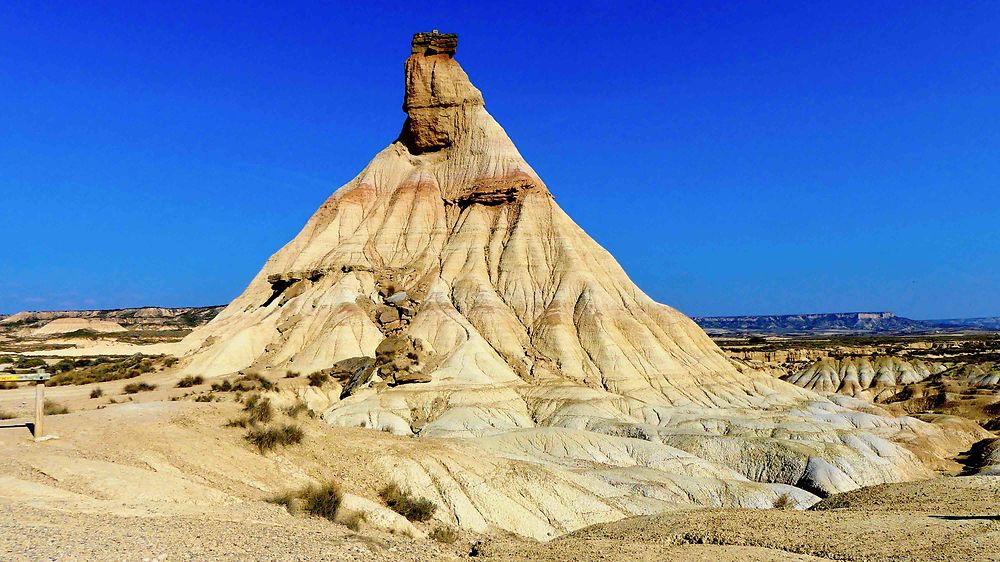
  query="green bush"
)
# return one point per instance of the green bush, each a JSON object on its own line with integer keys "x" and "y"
{"x": 189, "y": 381}
{"x": 414, "y": 509}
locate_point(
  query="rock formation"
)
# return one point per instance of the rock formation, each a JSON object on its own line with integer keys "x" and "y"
{"x": 864, "y": 377}
{"x": 572, "y": 397}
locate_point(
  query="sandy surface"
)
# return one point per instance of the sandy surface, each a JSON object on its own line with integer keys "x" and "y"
{"x": 164, "y": 480}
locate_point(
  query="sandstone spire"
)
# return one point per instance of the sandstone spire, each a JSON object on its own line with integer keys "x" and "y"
{"x": 439, "y": 95}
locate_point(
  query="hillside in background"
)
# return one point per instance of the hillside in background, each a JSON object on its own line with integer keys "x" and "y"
{"x": 882, "y": 323}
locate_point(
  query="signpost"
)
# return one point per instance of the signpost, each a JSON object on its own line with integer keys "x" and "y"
{"x": 40, "y": 377}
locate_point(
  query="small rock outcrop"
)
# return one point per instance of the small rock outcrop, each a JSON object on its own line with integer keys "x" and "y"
{"x": 403, "y": 359}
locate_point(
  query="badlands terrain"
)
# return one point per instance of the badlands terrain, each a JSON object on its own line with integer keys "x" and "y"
{"x": 442, "y": 364}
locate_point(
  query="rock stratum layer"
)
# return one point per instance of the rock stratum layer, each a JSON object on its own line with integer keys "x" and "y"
{"x": 570, "y": 395}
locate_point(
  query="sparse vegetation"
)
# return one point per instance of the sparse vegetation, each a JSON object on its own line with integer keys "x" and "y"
{"x": 189, "y": 381}
{"x": 136, "y": 387}
{"x": 291, "y": 375}
{"x": 50, "y": 408}
{"x": 444, "y": 534}
{"x": 5, "y": 415}
{"x": 414, "y": 509}
{"x": 102, "y": 369}
{"x": 8, "y": 385}
{"x": 244, "y": 383}
{"x": 97, "y": 393}
{"x": 268, "y": 438}
{"x": 323, "y": 501}
{"x": 297, "y": 409}
{"x": 318, "y": 378}
{"x": 784, "y": 501}
{"x": 259, "y": 410}
{"x": 205, "y": 397}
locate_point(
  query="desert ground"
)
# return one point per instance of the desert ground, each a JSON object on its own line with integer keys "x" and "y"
{"x": 442, "y": 364}
{"x": 159, "y": 475}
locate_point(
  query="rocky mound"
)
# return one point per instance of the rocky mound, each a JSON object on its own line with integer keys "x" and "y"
{"x": 61, "y": 326}
{"x": 458, "y": 300}
{"x": 863, "y": 377}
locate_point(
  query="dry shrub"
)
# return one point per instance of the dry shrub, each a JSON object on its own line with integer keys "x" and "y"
{"x": 8, "y": 385}
{"x": 355, "y": 520}
{"x": 259, "y": 410}
{"x": 96, "y": 393}
{"x": 5, "y": 415}
{"x": 784, "y": 501}
{"x": 446, "y": 535}
{"x": 189, "y": 381}
{"x": 291, "y": 375}
{"x": 294, "y": 411}
{"x": 51, "y": 408}
{"x": 323, "y": 500}
{"x": 205, "y": 397}
{"x": 136, "y": 387}
{"x": 414, "y": 509}
{"x": 318, "y": 379}
{"x": 268, "y": 438}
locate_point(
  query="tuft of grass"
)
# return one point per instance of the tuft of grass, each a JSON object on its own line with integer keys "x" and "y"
{"x": 255, "y": 379}
{"x": 294, "y": 411}
{"x": 446, "y": 535}
{"x": 8, "y": 385}
{"x": 224, "y": 386}
{"x": 238, "y": 422}
{"x": 318, "y": 379}
{"x": 136, "y": 387}
{"x": 5, "y": 415}
{"x": 784, "y": 501}
{"x": 322, "y": 501}
{"x": 268, "y": 438}
{"x": 189, "y": 381}
{"x": 355, "y": 521}
{"x": 205, "y": 397}
{"x": 97, "y": 392}
{"x": 414, "y": 509}
{"x": 50, "y": 408}
{"x": 259, "y": 410}
{"x": 292, "y": 375}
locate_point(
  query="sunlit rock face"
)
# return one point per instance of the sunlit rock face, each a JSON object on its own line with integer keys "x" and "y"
{"x": 570, "y": 395}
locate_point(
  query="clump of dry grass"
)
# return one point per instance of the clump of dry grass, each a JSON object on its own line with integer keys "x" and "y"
{"x": 268, "y": 438}
{"x": 8, "y": 385}
{"x": 318, "y": 379}
{"x": 297, "y": 409}
{"x": 50, "y": 408}
{"x": 322, "y": 501}
{"x": 5, "y": 415}
{"x": 97, "y": 392}
{"x": 414, "y": 509}
{"x": 446, "y": 535}
{"x": 189, "y": 381}
{"x": 259, "y": 410}
{"x": 137, "y": 387}
{"x": 205, "y": 397}
{"x": 291, "y": 375}
{"x": 784, "y": 501}
{"x": 244, "y": 383}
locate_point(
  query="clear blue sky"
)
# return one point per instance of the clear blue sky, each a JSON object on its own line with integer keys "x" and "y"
{"x": 736, "y": 157}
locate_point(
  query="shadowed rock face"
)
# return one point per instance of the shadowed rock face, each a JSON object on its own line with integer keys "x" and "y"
{"x": 589, "y": 399}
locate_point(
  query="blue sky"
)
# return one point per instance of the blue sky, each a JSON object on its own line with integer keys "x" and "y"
{"x": 736, "y": 157}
